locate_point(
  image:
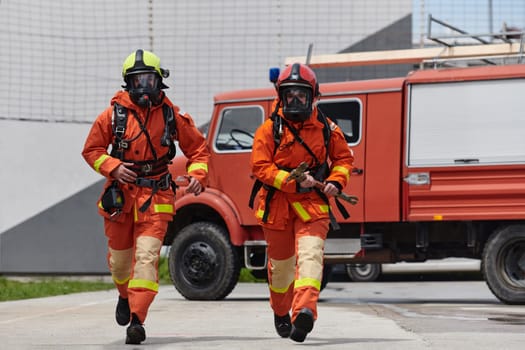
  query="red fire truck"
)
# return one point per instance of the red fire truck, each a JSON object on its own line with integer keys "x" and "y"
{"x": 439, "y": 172}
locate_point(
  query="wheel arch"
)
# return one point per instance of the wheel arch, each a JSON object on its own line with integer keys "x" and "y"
{"x": 212, "y": 206}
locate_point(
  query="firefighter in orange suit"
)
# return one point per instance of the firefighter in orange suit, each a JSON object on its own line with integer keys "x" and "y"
{"x": 295, "y": 216}
{"x": 141, "y": 126}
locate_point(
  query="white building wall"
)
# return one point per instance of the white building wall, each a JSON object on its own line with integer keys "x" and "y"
{"x": 61, "y": 63}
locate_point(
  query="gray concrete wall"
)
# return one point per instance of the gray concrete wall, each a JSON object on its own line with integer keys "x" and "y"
{"x": 67, "y": 238}
{"x": 48, "y": 218}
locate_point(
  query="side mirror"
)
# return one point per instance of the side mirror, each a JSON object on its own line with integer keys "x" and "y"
{"x": 274, "y": 74}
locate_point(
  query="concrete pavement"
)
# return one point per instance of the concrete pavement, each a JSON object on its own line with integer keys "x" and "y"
{"x": 242, "y": 321}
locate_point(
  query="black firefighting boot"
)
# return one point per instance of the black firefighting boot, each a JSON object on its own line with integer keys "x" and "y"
{"x": 122, "y": 313}
{"x": 283, "y": 325}
{"x": 303, "y": 324}
{"x": 135, "y": 333}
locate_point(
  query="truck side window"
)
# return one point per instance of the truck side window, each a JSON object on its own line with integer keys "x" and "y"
{"x": 466, "y": 123}
{"x": 237, "y": 128}
{"x": 347, "y": 115}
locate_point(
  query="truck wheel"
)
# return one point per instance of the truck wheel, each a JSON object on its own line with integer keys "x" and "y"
{"x": 363, "y": 272}
{"x": 503, "y": 264}
{"x": 203, "y": 264}
{"x": 327, "y": 274}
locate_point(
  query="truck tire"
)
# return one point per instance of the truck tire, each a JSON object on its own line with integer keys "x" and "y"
{"x": 363, "y": 272}
{"x": 327, "y": 274}
{"x": 503, "y": 264}
{"x": 203, "y": 264}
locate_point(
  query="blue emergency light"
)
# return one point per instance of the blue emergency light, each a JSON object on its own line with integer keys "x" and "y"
{"x": 274, "y": 74}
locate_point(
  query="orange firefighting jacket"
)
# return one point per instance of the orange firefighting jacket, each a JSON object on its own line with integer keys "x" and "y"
{"x": 190, "y": 140}
{"x": 271, "y": 166}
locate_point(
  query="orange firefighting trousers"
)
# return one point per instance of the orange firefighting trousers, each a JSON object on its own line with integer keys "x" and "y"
{"x": 133, "y": 257}
{"x": 295, "y": 264}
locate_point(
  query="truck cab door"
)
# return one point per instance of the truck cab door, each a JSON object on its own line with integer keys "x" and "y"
{"x": 231, "y": 142}
{"x": 348, "y": 114}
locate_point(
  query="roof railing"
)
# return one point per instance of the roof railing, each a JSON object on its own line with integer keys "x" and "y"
{"x": 505, "y": 36}
{"x": 447, "y": 52}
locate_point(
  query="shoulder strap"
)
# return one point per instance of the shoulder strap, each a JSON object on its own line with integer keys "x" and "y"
{"x": 119, "y": 121}
{"x": 326, "y": 130}
{"x": 145, "y": 131}
{"x": 170, "y": 130}
{"x": 277, "y": 129}
{"x": 300, "y": 140}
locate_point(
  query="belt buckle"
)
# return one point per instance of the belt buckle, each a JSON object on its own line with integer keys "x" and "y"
{"x": 165, "y": 182}
{"x": 140, "y": 181}
{"x": 146, "y": 168}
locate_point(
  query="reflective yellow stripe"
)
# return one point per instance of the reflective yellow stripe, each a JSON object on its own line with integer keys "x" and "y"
{"x": 100, "y": 205}
{"x": 324, "y": 208}
{"x": 198, "y": 166}
{"x": 278, "y": 181}
{"x": 279, "y": 290}
{"x": 99, "y": 162}
{"x": 135, "y": 214}
{"x": 144, "y": 284}
{"x": 343, "y": 170}
{"x": 301, "y": 211}
{"x": 121, "y": 281}
{"x": 308, "y": 282}
{"x": 163, "y": 208}
{"x": 259, "y": 214}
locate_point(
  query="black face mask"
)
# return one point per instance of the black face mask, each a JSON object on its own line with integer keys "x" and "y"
{"x": 297, "y": 103}
{"x": 145, "y": 97}
{"x": 144, "y": 89}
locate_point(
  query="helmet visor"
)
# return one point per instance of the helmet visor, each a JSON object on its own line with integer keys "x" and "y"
{"x": 144, "y": 80}
{"x": 297, "y": 96}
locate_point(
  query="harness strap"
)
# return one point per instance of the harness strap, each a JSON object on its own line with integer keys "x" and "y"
{"x": 341, "y": 208}
{"x": 150, "y": 167}
{"x": 333, "y": 221}
{"x": 145, "y": 131}
{"x": 119, "y": 121}
{"x": 295, "y": 133}
{"x": 162, "y": 184}
{"x": 170, "y": 131}
{"x": 255, "y": 189}
{"x": 320, "y": 169}
{"x": 269, "y": 196}
{"x": 119, "y": 124}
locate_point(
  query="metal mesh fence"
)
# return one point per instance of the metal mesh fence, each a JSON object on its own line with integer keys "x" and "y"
{"x": 60, "y": 60}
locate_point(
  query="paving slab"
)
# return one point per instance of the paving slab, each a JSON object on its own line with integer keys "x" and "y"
{"x": 243, "y": 320}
